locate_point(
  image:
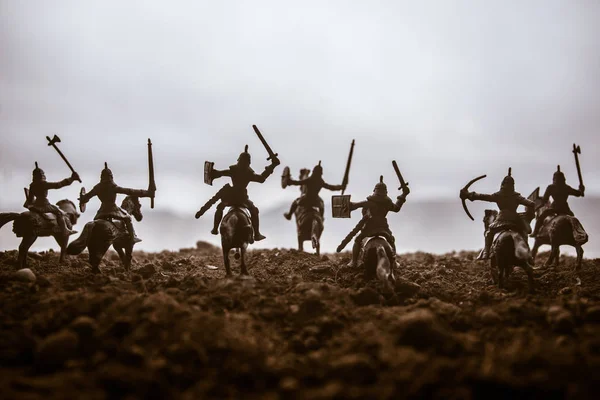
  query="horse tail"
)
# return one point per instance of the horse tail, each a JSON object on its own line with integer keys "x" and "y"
{"x": 79, "y": 244}
{"x": 5, "y": 218}
{"x": 505, "y": 250}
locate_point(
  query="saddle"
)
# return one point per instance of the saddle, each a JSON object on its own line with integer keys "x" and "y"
{"x": 240, "y": 208}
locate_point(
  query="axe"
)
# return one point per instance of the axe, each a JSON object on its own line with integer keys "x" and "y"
{"x": 52, "y": 142}
{"x": 576, "y": 152}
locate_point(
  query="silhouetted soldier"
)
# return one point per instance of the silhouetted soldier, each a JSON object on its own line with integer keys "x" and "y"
{"x": 508, "y": 201}
{"x": 241, "y": 175}
{"x": 107, "y": 191}
{"x": 560, "y": 192}
{"x": 375, "y": 210}
{"x": 37, "y": 197}
{"x": 312, "y": 186}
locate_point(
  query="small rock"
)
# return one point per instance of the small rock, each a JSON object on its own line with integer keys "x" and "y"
{"x": 355, "y": 368}
{"x": 489, "y": 317}
{"x": 423, "y": 330}
{"x": 147, "y": 271}
{"x": 324, "y": 258}
{"x": 294, "y": 308}
{"x": 366, "y": 296}
{"x": 25, "y": 275}
{"x": 56, "y": 349}
{"x": 319, "y": 268}
{"x": 592, "y": 314}
{"x": 565, "y": 290}
{"x": 43, "y": 281}
{"x": 211, "y": 267}
{"x": 288, "y": 384}
{"x": 406, "y": 287}
{"x": 560, "y": 319}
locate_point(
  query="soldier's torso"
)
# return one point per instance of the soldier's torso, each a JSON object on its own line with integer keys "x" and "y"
{"x": 378, "y": 208}
{"x": 40, "y": 191}
{"x": 508, "y": 204}
{"x": 560, "y": 195}
{"x": 107, "y": 193}
{"x": 313, "y": 187}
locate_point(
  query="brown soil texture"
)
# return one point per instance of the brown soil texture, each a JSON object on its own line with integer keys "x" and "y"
{"x": 301, "y": 326}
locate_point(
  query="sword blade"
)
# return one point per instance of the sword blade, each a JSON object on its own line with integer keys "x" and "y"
{"x": 403, "y": 184}
{"x": 348, "y": 163}
{"x": 264, "y": 142}
{"x": 151, "y": 184}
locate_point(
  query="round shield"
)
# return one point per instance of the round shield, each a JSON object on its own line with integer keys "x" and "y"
{"x": 81, "y": 204}
{"x": 285, "y": 177}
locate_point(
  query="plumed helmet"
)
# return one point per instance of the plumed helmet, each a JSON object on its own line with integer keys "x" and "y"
{"x": 508, "y": 183}
{"x": 244, "y": 157}
{"x": 106, "y": 174}
{"x": 38, "y": 174}
{"x": 558, "y": 176}
{"x": 318, "y": 169}
{"x": 380, "y": 187}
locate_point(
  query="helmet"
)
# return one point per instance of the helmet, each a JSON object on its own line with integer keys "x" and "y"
{"x": 380, "y": 187}
{"x": 38, "y": 174}
{"x": 558, "y": 176}
{"x": 318, "y": 170}
{"x": 508, "y": 183}
{"x": 106, "y": 175}
{"x": 244, "y": 157}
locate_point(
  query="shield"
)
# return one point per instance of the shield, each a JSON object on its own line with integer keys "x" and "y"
{"x": 340, "y": 206}
{"x": 208, "y": 172}
{"x": 285, "y": 177}
{"x": 82, "y": 205}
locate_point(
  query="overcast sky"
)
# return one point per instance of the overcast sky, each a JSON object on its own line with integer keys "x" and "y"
{"x": 450, "y": 89}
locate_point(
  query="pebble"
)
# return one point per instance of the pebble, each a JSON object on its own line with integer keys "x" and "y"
{"x": 560, "y": 319}
{"x": 147, "y": 271}
{"x": 25, "y": 275}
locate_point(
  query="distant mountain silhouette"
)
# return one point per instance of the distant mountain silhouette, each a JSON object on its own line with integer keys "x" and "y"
{"x": 435, "y": 226}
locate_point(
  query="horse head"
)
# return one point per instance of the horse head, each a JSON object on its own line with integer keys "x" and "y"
{"x": 132, "y": 205}
{"x": 69, "y": 208}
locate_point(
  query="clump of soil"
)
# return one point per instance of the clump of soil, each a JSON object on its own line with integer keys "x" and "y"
{"x": 301, "y": 326}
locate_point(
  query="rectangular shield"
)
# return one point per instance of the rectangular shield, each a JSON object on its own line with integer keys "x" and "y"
{"x": 340, "y": 206}
{"x": 208, "y": 169}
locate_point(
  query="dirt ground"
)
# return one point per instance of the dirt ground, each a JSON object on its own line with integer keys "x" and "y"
{"x": 300, "y": 327}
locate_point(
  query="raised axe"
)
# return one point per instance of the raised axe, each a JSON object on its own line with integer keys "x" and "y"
{"x": 151, "y": 183}
{"x": 576, "y": 152}
{"x": 272, "y": 155}
{"x": 52, "y": 142}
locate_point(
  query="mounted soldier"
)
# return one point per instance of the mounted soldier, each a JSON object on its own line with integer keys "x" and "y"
{"x": 107, "y": 191}
{"x": 37, "y": 196}
{"x": 236, "y": 195}
{"x": 311, "y": 185}
{"x": 374, "y": 221}
{"x": 508, "y": 201}
{"x": 560, "y": 191}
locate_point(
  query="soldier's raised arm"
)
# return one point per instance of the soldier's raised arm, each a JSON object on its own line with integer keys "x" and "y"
{"x": 267, "y": 172}
{"x": 332, "y": 187}
{"x": 63, "y": 183}
{"x": 292, "y": 182}
{"x": 360, "y": 204}
{"x": 574, "y": 192}
{"x": 89, "y": 195}
{"x": 134, "y": 192}
{"x": 547, "y": 194}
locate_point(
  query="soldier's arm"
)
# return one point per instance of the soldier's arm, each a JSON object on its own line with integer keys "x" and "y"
{"x": 526, "y": 202}
{"x": 332, "y": 187}
{"x": 220, "y": 173}
{"x": 59, "y": 184}
{"x": 31, "y": 196}
{"x": 134, "y": 192}
{"x": 361, "y": 204}
{"x": 301, "y": 182}
{"x": 397, "y": 206}
{"x": 547, "y": 194}
{"x": 266, "y": 173}
{"x": 481, "y": 196}
{"x": 86, "y": 197}
{"x": 574, "y": 192}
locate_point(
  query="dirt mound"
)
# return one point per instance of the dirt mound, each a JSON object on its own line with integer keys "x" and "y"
{"x": 300, "y": 327}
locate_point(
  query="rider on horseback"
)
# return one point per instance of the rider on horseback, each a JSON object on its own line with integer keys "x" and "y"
{"x": 310, "y": 197}
{"x": 37, "y": 199}
{"x": 107, "y": 191}
{"x": 559, "y": 191}
{"x": 241, "y": 175}
{"x": 508, "y": 201}
{"x": 375, "y": 210}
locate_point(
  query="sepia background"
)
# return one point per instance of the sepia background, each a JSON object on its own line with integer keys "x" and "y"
{"x": 451, "y": 90}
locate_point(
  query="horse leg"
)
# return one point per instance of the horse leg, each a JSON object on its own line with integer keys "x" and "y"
{"x": 243, "y": 269}
{"x": 226, "y": 260}
{"x": 121, "y": 253}
{"x": 534, "y": 251}
{"x": 494, "y": 270}
{"x": 300, "y": 244}
{"x": 529, "y": 271}
{"x": 550, "y": 259}
{"x": 97, "y": 251}
{"x": 579, "y": 250}
{"x": 62, "y": 241}
{"x": 26, "y": 243}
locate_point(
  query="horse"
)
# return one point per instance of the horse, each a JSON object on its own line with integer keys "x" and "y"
{"x": 30, "y": 225}
{"x": 236, "y": 233}
{"x": 509, "y": 249}
{"x": 558, "y": 230}
{"x": 100, "y": 234}
{"x": 377, "y": 257}
{"x": 309, "y": 222}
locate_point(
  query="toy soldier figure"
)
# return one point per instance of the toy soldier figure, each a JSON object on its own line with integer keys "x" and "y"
{"x": 311, "y": 188}
{"x": 107, "y": 191}
{"x": 559, "y": 191}
{"x": 375, "y": 210}
{"x": 241, "y": 175}
{"x": 37, "y": 197}
{"x": 508, "y": 201}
